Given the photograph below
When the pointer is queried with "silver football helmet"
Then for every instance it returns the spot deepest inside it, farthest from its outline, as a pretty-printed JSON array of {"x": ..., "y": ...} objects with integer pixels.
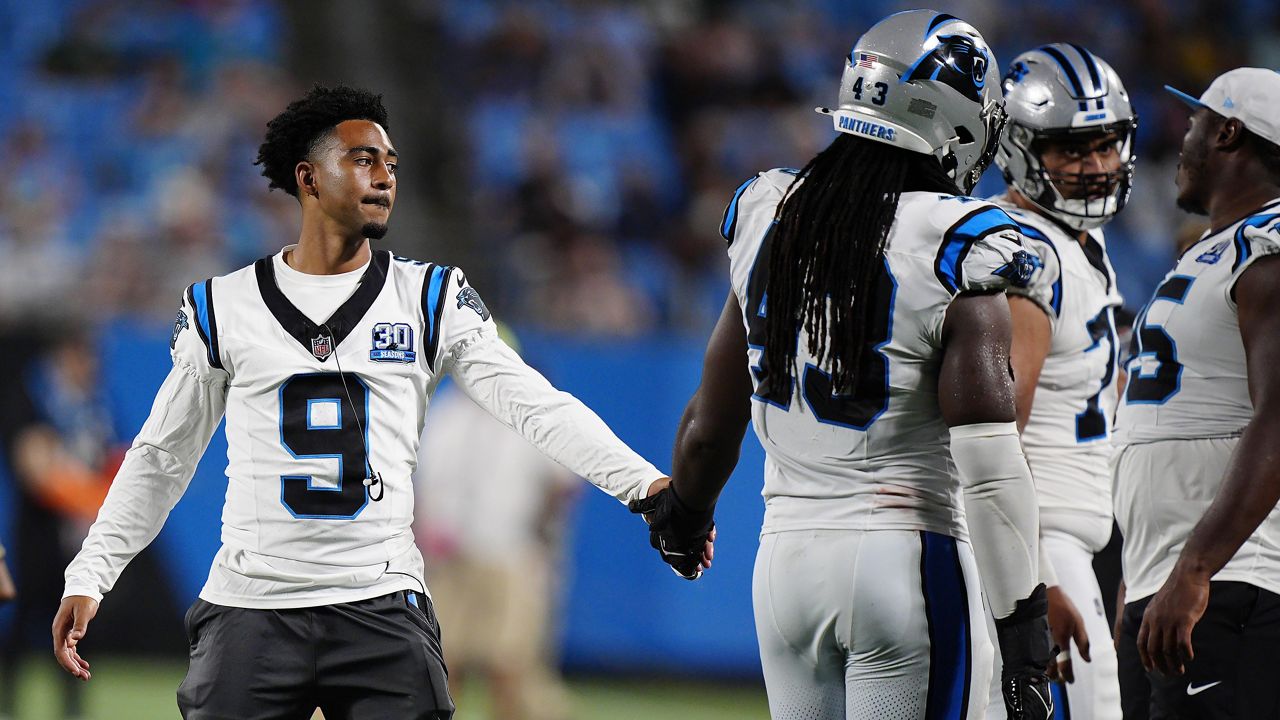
[
  {"x": 927, "y": 82},
  {"x": 1062, "y": 91}
]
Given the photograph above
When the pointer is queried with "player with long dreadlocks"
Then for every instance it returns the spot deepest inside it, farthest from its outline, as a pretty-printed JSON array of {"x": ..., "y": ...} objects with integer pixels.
[{"x": 868, "y": 305}]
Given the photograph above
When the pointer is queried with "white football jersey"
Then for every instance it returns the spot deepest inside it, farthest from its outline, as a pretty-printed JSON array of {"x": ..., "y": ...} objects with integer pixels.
[
  {"x": 879, "y": 458},
  {"x": 312, "y": 411},
  {"x": 1068, "y": 435},
  {"x": 302, "y": 435},
  {"x": 1186, "y": 364},
  {"x": 1184, "y": 407}
]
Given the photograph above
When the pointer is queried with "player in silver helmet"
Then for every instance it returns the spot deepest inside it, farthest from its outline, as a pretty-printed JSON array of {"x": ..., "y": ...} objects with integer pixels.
[
  {"x": 936, "y": 84},
  {"x": 1067, "y": 156},
  {"x": 1063, "y": 100},
  {"x": 868, "y": 307}
]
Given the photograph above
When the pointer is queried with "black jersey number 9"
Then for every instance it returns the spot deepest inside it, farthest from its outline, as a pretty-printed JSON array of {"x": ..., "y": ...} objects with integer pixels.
[
  {"x": 871, "y": 396},
  {"x": 318, "y": 421}
]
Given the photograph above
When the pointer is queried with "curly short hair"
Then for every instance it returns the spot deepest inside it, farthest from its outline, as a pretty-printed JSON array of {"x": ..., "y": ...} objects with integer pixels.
[{"x": 294, "y": 133}]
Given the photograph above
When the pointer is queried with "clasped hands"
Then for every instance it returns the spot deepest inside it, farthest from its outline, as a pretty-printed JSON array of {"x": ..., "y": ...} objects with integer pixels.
[{"x": 683, "y": 536}]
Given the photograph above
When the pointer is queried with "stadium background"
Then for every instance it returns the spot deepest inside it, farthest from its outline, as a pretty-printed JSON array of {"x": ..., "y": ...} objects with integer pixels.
[{"x": 574, "y": 157}]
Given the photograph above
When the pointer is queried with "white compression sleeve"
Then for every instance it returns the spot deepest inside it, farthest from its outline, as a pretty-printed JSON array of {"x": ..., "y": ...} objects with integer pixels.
[{"x": 1000, "y": 504}]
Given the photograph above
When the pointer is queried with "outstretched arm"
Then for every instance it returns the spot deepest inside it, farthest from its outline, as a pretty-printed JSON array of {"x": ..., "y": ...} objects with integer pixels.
[
  {"x": 709, "y": 438},
  {"x": 555, "y": 422},
  {"x": 154, "y": 475},
  {"x": 1248, "y": 493}
]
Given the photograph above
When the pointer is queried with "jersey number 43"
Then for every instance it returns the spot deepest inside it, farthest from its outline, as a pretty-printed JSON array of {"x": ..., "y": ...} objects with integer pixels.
[{"x": 871, "y": 395}]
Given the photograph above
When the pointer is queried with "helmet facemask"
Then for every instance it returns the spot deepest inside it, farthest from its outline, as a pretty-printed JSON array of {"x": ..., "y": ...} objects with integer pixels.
[
  {"x": 993, "y": 118},
  {"x": 1064, "y": 95},
  {"x": 1095, "y": 197}
]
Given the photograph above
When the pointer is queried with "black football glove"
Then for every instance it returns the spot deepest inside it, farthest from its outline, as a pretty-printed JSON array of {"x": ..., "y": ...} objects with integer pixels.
[
  {"x": 1026, "y": 647},
  {"x": 678, "y": 532}
]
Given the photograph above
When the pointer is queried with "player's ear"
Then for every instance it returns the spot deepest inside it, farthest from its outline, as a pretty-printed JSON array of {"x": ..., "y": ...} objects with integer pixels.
[
  {"x": 1230, "y": 134},
  {"x": 305, "y": 174}
]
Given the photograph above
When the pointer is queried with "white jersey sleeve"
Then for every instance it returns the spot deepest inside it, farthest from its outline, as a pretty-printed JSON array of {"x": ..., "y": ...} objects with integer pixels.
[
  {"x": 1257, "y": 237},
  {"x": 555, "y": 422},
  {"x": 159, "y": 465},
  {"x": 1046, "y": 289}
]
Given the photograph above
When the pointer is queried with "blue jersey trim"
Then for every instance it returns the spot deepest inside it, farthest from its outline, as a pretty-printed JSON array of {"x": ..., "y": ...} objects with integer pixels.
[
  {"x": 946, "y": 603},
  {"x": 201, "y": 298},
  {"x": 432, "y": 308},
  {"x": 1243, "y": 249},
  {"x": 959, "y": 240},
  {"x": 729, "y": 223}
]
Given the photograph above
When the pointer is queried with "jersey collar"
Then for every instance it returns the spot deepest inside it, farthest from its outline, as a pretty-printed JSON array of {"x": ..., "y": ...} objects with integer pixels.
[{"x": 343, "y": 320}]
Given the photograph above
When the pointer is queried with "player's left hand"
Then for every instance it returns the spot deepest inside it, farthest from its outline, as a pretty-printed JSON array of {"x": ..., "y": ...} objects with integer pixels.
[
  {"x": 1066, "y": 626},
  {"x": 683, "y": 536},
  {"x": 1164, "y": 641}
]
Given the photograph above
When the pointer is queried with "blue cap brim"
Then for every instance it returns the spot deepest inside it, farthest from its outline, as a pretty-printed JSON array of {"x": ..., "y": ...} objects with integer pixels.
[{"x": 1193, "y": 103}]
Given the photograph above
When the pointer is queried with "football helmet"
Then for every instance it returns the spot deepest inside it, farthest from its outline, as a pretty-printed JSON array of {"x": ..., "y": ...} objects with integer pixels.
[
  {"x": 927, "y": 82},
  {"x": 1062, "y": 91}
]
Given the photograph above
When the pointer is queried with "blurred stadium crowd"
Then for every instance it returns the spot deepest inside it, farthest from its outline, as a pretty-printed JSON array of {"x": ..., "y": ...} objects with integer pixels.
[{"x": 589, "y": 145}]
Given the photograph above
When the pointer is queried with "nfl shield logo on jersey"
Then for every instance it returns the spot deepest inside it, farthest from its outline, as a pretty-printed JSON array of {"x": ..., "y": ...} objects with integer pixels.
[{"x": 322, "y": 347}]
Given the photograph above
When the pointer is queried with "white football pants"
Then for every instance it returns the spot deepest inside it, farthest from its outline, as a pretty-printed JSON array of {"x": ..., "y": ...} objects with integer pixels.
[{"x": 871, "y": 625}]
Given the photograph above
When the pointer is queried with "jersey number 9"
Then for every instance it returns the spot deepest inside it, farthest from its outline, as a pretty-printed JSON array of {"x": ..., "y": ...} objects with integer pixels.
[{"x": 323, "y": 417}]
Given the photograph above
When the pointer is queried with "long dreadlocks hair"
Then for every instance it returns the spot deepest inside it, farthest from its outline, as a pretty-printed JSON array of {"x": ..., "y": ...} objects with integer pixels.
[{"x": 827, "y": 249}]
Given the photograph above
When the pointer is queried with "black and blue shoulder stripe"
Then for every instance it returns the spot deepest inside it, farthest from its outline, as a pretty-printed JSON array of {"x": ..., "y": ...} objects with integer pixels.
[
  {"x": 1244, "y": 249},
  {"x": 959, "y": 239},
  {"x": 200, "y": 297},
  {"x": 434, "y": 285}
]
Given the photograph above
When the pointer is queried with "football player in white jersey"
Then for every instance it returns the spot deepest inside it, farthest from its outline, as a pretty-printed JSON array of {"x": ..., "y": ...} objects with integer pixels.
[
  {"x": 867, "y": 316},
  {"x": 322, "y": 358},
  {"x": 1067, "y": 156},
  {"x": 1197, "y": 475}
]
